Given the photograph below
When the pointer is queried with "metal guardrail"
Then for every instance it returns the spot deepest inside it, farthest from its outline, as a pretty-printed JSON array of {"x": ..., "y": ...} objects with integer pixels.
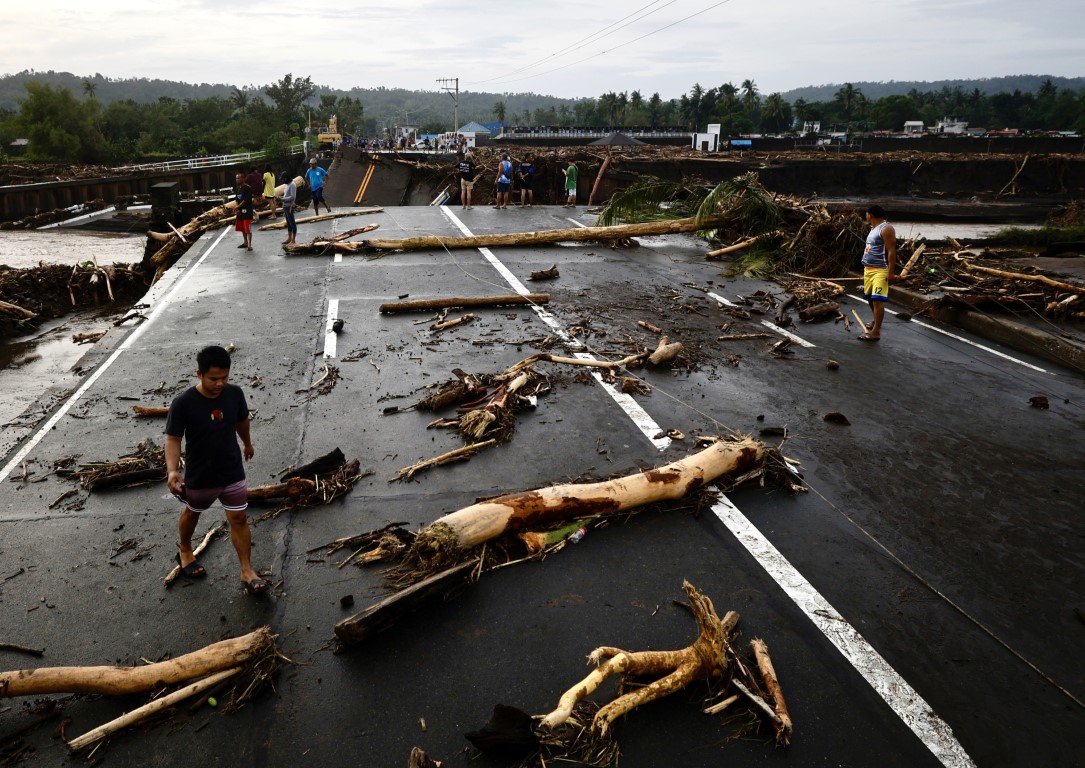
[{"x": 207, "y": 161}]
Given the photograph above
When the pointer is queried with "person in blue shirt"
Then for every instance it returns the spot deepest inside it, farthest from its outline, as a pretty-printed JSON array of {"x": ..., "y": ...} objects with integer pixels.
[{"x": 315, "y": 176}]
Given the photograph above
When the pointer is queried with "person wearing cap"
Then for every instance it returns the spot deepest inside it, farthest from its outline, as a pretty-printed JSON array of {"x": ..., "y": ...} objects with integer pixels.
[
  {"x": 504, "y": 181},
  {"x": 315, "y": 176},
  {"x": 288, "y": 201}
]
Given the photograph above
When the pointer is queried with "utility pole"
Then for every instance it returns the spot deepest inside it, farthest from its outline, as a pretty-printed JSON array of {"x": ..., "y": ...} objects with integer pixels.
[{"x": 453, "y": 91}]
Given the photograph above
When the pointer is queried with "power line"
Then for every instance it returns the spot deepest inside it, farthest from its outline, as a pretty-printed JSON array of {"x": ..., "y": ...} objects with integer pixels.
[
  {"x": 617, "y": 47},
  {"x": 598, "y": 35}
]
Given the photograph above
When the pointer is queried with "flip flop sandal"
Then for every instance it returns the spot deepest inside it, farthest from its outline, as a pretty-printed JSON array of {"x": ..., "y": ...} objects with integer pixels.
[
  {"x": 193, "y": 570},
  {"x": 868, "y": 337},
  {"x": 257, "y": 587}
]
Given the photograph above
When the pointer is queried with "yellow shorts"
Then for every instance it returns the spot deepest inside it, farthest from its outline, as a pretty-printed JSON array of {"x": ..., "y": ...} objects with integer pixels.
[{"x": 876, "y": 283}]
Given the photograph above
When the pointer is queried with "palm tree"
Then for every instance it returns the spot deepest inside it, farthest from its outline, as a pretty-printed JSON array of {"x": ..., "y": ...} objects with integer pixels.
[
  {"x": 847, "y": 97},
  {"x": 776, "y": 113},
  {"x": 728, "y": 96},
  {"x": 750, "y": 98},
  {"x": 89, "y": 89},
  {"x": 240, "y": 100},
  {"x": 499, "y": 111}
]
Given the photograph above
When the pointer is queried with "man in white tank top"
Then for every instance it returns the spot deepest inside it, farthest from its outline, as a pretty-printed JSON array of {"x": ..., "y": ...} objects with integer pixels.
[{"x": 879, "y": 260}]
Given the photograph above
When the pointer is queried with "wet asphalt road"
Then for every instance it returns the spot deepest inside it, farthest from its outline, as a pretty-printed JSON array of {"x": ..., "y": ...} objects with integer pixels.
[{"x": 944, "y": 524}]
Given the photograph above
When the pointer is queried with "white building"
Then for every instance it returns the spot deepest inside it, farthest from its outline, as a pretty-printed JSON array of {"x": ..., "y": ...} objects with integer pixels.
[
  {"x": 914, "y": 127},
  {"x": 951, "y": 125},
  {"x": 708, "y": 142}
]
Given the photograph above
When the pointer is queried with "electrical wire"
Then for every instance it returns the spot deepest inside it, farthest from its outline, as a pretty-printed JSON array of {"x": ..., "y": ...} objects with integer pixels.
[
  {"x": 615, "y": 48},
  {"x": 597, "y": 35}
]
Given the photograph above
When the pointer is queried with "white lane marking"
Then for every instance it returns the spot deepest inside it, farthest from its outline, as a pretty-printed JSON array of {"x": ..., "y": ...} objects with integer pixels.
[
  {"x": 909, "y": 706},
  {"x": 771, "y": 326},
  {"x": 777, "y": 329},
  {"x": 969, "y": 342},
  {"x": 36, "y": 438},
  {"x": 930, "y": 729},
  {"x": 329, "y": 334},
  {"x": 722, "y": 300},
  {"x": 338, "y": 258},
  {"x": 632, "y": 408}
]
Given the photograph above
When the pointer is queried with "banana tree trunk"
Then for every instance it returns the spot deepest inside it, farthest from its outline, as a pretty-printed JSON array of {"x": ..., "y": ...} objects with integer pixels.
[
  {"x": 478, "y": 523},
  {"x": 572, "y": 234}
]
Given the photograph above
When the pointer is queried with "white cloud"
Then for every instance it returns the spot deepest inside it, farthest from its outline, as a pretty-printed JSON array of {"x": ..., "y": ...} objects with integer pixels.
[{"x": 781, "y": 44}]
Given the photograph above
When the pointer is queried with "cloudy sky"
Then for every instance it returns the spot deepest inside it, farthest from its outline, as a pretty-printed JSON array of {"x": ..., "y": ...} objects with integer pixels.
[{"x": 565, "y": 48}]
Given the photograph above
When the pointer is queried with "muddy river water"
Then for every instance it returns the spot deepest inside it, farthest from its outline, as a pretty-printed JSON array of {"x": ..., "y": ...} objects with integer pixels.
[{"x": 31, "y": 364}]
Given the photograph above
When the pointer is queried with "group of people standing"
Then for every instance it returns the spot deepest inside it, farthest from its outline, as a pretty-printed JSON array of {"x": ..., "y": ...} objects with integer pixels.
[
  {"x": 255, "y": 188},
  {"x": 510, "y": 177}
]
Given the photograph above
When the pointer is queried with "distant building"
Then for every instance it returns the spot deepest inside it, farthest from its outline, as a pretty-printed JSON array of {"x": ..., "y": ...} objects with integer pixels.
[
  {"x": 475, "y": 133},
  {"x": 951, "y": 125},
  {"x": 710, "y": 141},
  {"x": 914, "y": 127},
  {"x": 811, "y": 126}
]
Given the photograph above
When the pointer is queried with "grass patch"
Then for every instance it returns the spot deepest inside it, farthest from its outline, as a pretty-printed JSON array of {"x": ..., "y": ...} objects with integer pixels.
[{"x": 1039, "y": 237}]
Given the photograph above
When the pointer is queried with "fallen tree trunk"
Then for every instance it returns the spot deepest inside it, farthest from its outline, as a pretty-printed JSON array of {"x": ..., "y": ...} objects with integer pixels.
[
  {"x": 730, "y": 248},
  {"x": 149, "y": 710},
  {"x": 119, "y": 681},
  {"x": 572, "y": 234},
  {"x": 324, "y": 245},
  {"x": 478, "y": 523},
  {"x": 427, "y": 305},
  {"x": 15, "y": 310},
  {"x": 1042, "y": 279},
  {"x": 321, "y": 217},
  {"x": 295, "y": 487},
  {"x": 141, "y": 410}
]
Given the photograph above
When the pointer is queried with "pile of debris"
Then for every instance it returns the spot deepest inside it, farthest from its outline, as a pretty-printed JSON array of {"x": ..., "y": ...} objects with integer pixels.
[{"x": 54, "y": 290}]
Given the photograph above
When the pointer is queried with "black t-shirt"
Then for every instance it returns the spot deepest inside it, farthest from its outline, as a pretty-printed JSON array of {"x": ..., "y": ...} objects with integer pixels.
[
  {"x": 244, "y": 202},
  {"x": 467, "y": 170},
  {"x": 212, "y": 454}
]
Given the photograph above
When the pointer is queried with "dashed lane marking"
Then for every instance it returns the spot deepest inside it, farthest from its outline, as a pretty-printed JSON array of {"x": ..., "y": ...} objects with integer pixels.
[
  {"x": 329, "y": 334},
  {"x": 129, "y": 340},
  {"x": 913, "y": 711},
  {"x": 631, "y": 407}
]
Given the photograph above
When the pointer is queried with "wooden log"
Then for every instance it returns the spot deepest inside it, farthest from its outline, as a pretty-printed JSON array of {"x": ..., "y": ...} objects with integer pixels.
[
  {"x": 321, "y": 217},
  {"x": 915, "y": 257},
  {"x": 151, "y": 475},
  {"x": 1042, "y": 279},
  {"x": 427, "y": 305},
  {"x": 322, "y": 245},
  {"x": 140, "y": 410},
  {"x": 570, "y": 235},
  {"x": 730, "y": 248},
  {"x": 478, "y": 523},
  {"x": 453, "y": 323},
  {"x": 329, "y": 462},
  {"x": 149, "y": 710},
  {"x": 120, "y": 681},
  {"x": 295, "y": 487},
  {"x": 824, "y": 309},
  {"x": 599, "y": 177},
  {"x": 385, "y": 613},
  {"x": 15, "y": 310},
  {"x": 772, "y": 685},
  {"x": 649, "y": 327}
]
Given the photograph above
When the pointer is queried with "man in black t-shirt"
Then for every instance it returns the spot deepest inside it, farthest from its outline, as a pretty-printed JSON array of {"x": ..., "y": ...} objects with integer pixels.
[{"x": 208, "y": 416}]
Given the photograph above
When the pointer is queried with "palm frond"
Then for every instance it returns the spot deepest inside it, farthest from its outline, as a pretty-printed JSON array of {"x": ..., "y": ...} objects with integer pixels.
[
  {"x": 649, "y": 199},
  {"x": 748, "y": 207}
]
